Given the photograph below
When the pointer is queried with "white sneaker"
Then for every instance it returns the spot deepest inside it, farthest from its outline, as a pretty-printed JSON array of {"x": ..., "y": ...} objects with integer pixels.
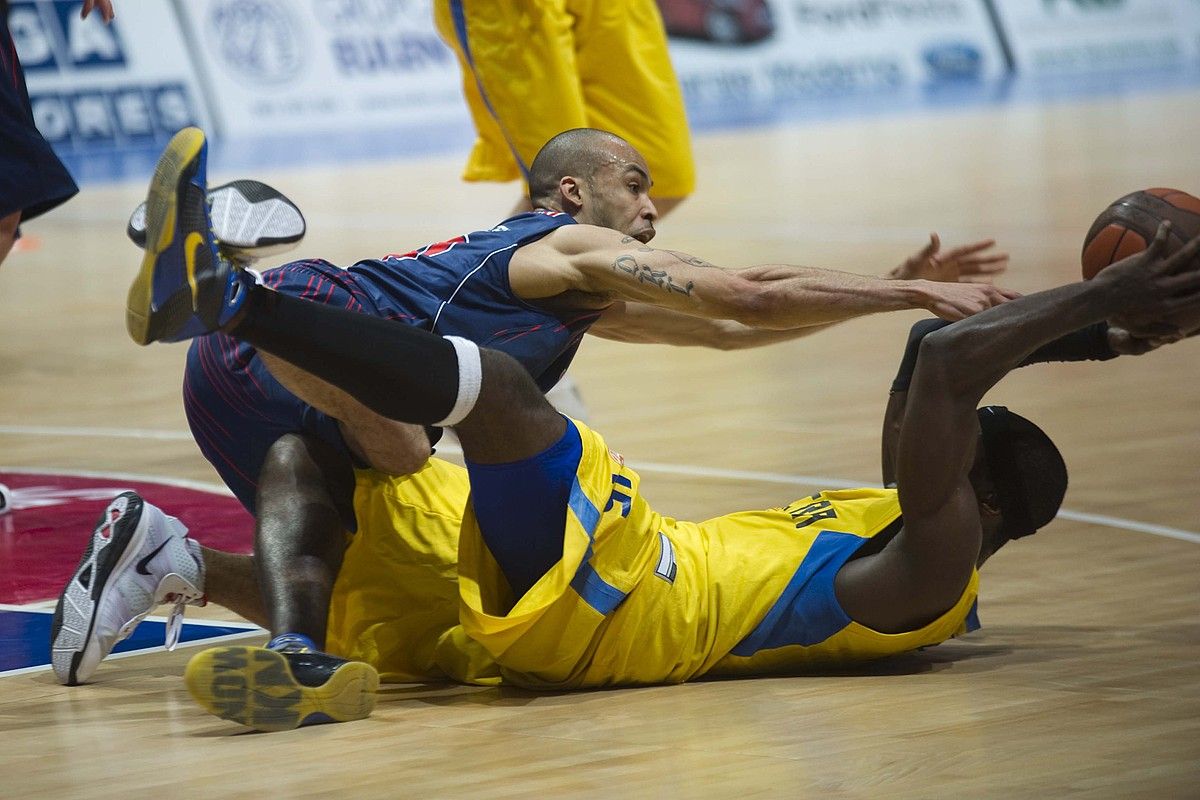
[
  {"x": 249, "y": 219},
  {"x": 137, "y": 558}
]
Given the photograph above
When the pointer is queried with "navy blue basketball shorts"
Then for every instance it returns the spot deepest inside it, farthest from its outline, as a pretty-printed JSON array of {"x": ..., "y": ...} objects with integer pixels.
[
  {"x": 32, "y": 178},
  {"x": 236, "y": 408}
]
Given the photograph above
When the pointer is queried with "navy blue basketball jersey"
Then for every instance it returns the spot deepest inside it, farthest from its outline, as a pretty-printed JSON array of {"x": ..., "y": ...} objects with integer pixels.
[{"x": 460, "y": 287}]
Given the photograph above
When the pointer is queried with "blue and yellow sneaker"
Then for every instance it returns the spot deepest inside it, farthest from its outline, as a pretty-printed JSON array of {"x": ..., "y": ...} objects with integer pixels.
[
  {"x": 250, "y": 219},
  {"x": 282, "y": 686},
  {"x": 185, "y": 287}
]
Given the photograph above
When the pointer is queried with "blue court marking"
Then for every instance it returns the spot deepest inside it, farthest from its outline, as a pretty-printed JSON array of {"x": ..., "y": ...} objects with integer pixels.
[{"x": 25, "y": 637}]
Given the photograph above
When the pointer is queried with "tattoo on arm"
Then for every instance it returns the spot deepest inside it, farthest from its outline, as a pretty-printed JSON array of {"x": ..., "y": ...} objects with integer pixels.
[
  {"x": 691, "y": 260},
  {"x": 644, "y": 274},
  {"x": 642, "y": 247}
]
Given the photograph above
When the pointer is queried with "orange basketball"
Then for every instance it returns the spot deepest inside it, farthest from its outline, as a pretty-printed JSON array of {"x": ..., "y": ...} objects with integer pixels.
[{"x": 1128, "y": 226}]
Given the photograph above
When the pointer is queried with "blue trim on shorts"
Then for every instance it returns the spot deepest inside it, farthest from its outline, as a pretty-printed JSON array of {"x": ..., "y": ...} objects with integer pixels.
[
  {"x": 460, "y": 28},
  {"x": 587, "y": 583},
  {"x": 807, "y": 612},
  {"x": 973, "y": 623}
]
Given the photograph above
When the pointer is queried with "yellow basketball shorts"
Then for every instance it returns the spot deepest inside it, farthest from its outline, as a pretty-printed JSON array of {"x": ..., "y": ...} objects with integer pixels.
[{"x": 534, "y": 68}]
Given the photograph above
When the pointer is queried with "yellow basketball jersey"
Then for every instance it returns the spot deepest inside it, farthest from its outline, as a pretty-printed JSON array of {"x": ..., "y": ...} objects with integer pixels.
[{"x": 639, "y": 598}]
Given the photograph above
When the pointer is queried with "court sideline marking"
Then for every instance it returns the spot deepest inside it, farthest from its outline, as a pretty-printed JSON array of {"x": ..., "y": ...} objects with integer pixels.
[{"x": 1103, "y": 520}]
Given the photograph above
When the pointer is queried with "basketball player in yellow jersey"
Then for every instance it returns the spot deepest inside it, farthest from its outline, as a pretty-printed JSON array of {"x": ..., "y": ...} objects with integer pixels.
[
  {"x": 567, "y": 578},
  {"x": 534, "y": 68}
]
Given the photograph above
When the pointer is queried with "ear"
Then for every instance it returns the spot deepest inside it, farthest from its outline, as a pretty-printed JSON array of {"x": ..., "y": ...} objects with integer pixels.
[
  {"x": 570, "y": 192},
  {"x": 990, "y": 504}
]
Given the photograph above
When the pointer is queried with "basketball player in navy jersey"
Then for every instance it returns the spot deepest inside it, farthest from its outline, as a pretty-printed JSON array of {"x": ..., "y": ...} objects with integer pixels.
[
  {"x": 530, "y": 287},
  {"x": 991, "y": 477}
]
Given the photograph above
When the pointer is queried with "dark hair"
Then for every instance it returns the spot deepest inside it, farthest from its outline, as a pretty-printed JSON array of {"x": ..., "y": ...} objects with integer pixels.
[
  {"x": 1026, "y": 468},
  {"x": 578, "y": 152}
]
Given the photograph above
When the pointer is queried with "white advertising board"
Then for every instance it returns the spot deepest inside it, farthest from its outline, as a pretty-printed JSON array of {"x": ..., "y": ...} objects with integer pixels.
[
  {"x": 807, "y": 49},
  {"x": 97, "y": 87},
  {"x": 1073, "y": 36},
  {"x": 322, "y": 65}
]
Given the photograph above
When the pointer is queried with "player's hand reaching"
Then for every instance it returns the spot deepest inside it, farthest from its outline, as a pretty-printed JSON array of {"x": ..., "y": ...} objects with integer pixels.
[
  {"x": 972, "y": 263},
  {"x": 955, "y": 301},
  {"x": 105, "y": 6}
]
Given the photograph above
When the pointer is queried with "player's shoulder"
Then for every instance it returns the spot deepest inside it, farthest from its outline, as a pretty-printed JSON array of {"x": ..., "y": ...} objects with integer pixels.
[{"x": 570, "y": 240}]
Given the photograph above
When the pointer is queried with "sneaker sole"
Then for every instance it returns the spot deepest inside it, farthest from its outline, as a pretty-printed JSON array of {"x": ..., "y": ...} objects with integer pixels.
[
  {"x": 70, "y": 647},
  {"x": 255, "y": 687},
  {"x": 180, "y": 152},
  {"x": 278, "y": 225}
]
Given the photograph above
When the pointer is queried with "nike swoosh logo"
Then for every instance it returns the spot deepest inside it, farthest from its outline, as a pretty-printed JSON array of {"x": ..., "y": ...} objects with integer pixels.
[
  {"x": 191, "y": 245},
  {"x": 141, "y": 565}
]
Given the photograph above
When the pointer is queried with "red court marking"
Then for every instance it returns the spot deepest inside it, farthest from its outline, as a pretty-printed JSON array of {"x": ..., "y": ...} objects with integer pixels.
[{"x": 43, "y": 537}]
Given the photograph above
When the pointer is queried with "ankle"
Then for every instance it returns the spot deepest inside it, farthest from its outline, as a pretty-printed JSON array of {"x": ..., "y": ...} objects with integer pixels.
[{"x": 291, "y": 643}]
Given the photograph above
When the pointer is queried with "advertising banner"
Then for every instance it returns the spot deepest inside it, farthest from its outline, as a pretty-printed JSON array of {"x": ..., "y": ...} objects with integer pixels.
[
  {"x": 314, "y": 66},
  {"x": 105, "y": 88},
  {"x": 766, "y": 52},
  {"x": 1072, "y": 36}
]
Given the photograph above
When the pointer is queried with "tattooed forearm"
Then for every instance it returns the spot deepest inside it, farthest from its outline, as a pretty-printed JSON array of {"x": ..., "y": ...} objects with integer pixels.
[
  {"x": 692, "y": 260},
  {"x": 642, "y": 247},
  {"x": 644, "y": 274}
]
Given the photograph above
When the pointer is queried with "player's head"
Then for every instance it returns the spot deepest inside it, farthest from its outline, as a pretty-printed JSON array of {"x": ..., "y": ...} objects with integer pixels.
[
  {"x": 598, "y": 178},
  {"x": 1019, "y": 477}
]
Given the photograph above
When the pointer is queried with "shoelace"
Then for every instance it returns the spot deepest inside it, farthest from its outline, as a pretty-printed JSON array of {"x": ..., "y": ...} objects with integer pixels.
[{"x": 175, "y": 618}]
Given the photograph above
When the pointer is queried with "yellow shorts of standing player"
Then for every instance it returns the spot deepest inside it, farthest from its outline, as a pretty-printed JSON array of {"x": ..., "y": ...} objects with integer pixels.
[{"x": 534, "y": 68}]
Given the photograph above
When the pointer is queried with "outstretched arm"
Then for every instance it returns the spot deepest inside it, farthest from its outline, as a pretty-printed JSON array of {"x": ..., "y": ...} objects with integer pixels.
[
  {"x": 604, "y": 264},
  {"x": 648, "y": 324},
  {"x": 921, "y": 573},
  {"x": 1098, "y": 342}
]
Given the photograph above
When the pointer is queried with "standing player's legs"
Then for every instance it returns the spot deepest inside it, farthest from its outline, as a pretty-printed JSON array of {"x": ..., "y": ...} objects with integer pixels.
[
  {"x": 8, "y": 233},
  {"x": 520, "y": 79},
  {"x": 533, "y": 70},
  {"x": 630, "y": 89},
  {"x": 32, "y": 179}
]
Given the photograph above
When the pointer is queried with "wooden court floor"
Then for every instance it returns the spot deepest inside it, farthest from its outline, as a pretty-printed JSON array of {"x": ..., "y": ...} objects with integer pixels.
[{"x": 1083, "y": 681}]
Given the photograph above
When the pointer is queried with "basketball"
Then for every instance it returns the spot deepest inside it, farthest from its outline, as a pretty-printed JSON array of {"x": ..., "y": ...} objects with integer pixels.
[{"x": 1128, "y": 226}]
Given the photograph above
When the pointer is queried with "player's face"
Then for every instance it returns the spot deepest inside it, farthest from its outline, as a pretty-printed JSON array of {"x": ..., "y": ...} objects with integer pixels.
[
  {"x": 619, "y": 197},
  {"x": 989, "y": 506}
]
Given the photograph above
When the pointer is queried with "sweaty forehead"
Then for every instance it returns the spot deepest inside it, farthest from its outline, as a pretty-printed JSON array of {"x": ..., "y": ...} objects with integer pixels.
[{"x": 621, "y": 158}]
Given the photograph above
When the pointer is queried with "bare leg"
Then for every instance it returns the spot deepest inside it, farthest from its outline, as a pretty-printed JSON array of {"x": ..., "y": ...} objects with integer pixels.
[
  {"x": 230, "y": 580},
  {"x": 511, "y": 420},
  {"x": 304, "y": 510},
  {"x": 8, "y": 233},
  {"x": 387, "y": 445}
]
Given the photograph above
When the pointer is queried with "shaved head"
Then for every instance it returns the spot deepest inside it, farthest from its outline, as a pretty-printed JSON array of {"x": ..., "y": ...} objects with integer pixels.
[{"x": 578, "y": 152}]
